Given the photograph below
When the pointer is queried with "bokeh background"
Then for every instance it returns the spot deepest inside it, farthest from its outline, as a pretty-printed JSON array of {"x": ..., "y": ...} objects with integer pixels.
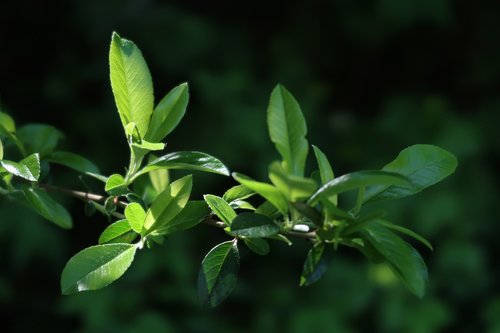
[{"x": 372, "y": 77}]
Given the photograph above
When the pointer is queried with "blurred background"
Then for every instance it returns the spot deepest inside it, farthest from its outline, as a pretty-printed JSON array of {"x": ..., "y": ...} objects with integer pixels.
[{"x": 372, "y": 77}]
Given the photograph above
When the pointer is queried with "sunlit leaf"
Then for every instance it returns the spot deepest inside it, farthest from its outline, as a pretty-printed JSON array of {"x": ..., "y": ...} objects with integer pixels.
[
  {"x": 293, "y": 187},
  {"x": 28, "y": 168},
  {"x": 118, "y": 232},
  {"x": 237, "y": 192},
  {"x": 135, "y": 215},
  {"x": 193, "y": 213},
  {"x": 115, "y": 185},
  {"x": 221, "y": 208}
]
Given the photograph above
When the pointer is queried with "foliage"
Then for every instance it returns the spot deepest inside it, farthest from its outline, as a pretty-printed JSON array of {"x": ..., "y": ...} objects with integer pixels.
[{"x": 291, "y": 204}]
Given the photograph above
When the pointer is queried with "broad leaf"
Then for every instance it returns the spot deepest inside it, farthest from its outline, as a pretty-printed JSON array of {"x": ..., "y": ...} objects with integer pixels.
[
  {"x": 287, "y": 129},
  {"x": 317, "y": 261},
  {"x": 422, "y": 165},
  {"x": 403, "y": 259},
  {"x": 358, "y": 179},
  {"x": 73, "y": 161},
  {"x": 118, "y": 232},
  {"x": 38, "y": 138},
  {"x": 32, "y": 162},
  {"x": 168, "y": 204},
  {"x": 7, "y": 124},
  {"x": 253, "y": 225},
  {"x": 218, "y": 274},
  {"x": 28, "y": 168},
  {"x": 135, "y": 215},
  {"x": 44, "y": 205},
  {"x": 115, "y": 185},
  {"x": 257, "y": 245},
  {"x": 237, "y": 192},
  {"x": 96, "y": 267},
  {"x": 131, "y": 83},
  {"x": 193, "y": 213},
  {"x": 221, "y": 208},
  {"x": 267, "y": 191},
  {"x": 168, "y": 113},
  {"x": 293, "y": 187}
]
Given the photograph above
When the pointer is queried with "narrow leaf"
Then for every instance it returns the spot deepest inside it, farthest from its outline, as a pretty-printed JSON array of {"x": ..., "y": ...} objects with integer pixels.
[
  {"x": 422, "y": 165},
  {"x": 1, "y": 150},
  {"x": 237, "y": 192},
  {"x": 221, "y": 208},
  {"x": 44, "y": 205},
  {"x": 267, "y": 191},
  {"x": 168, "y": 113},
  {"x": 287, "y": 129},
  {"x": 317, "y": 261},
  {"x": 135, "y": 215},
  {"x": 325, "y": 169},
  {"x": 253, "y": 225},
  {"x": 73, "y": 161},
  {"x": 405, "y": 231},
  {"x": 218, "y": 274},
  {"x": 96, "y": 267},
  {"x": 257, "y": 245},
  {"x": 293, "y": 187},
  {"x": 118, "y": 232},
  {"x": 115, "y": 185},
  {"x": 193, "y": 213}
]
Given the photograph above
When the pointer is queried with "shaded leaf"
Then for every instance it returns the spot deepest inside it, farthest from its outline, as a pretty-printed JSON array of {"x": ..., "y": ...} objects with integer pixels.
[
  {"x": 257, "y": 245},
  {"x": 193, "y": 213},
  {"x": 405, "y": 231},
  {"x": 73, "y": 161},
  {"x": 39, "y": 138},
  {"x": 325, "y": 170},
  {"x": 293, "y": 187},
  {"x": 221, "y": 208},
  {"x": 253, "y": 225},
  {"x": 47, "y": 207},
  {"x": 237, "y": 192},
  {"x": 316, "y": 264},
  {"x": 118, "y": 232}
]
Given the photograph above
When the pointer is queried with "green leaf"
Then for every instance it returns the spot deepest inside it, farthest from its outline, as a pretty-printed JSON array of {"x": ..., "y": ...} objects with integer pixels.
[
  {"x": 187, "y": 160},
  {"x": 131, "y": 83},
  {"x": 7, "y": 125},
  {"x": 221, "y": 208},
  {"x": 402, "y": 258},
  {"x": 293, "y": 188},
  {"x": 28, "y": 168},
  {"x": 237, "y": 192},
  {"x": 159, "y": 179},
  {"x": 422, "y": 165},
  {"x": 267, "y": 191},
  {"x": 309, "y": 212},
  {"x": 268, "y": 209},
  {"x": 317, "y": 261},
  {"x": 118, "y": 232},
  {"x": 44, "y": 205},
  {"x": 1, "y": 150},
  {"x": 334, "y": 211},
  {"x": 325, "y": 170},
  {"x": 193, "y": 213},
  {"x": 135, "y": 215},
  {"x": 355, "y": 180},
  {"x": 149, "y": 146},
  {"x": 253, "y": 225},
  {"x": 241, "y": 204},
  {"x": 168, "y": 205},
  {"x": 218, "y": 274},
  {"x": 168, "y": 113},
  {"x": 287, "y": 129},
  {"x": 115, "y": 185},
  {"x": 73, "y": 161},
  {"x": 405, "y": 231},
  {"x": 39, "y": 138},
  {"x": 257, "y": 245},
  {"x": 96, "y": 267}
]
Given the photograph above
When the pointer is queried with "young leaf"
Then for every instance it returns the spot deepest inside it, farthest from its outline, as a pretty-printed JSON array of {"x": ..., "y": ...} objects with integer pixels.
[
  {"x": 118, "y": 232},
  {"x": 115, "y": 185},
  {"x": 218, "y": 274},
  {"x": 39, "y": 138},
  {"x": 168, "y": 113},
  {"x": 402, "y": 258},
  {"x": 405, "y": 231},
  {"x": 355, "y": 180},
  {"x": 257, "y": 245},
  {"x": 237, "y": 192},
  {"x": 287, "y": 129},
  {"x": 221, "y": 208},
  {"x": 325, "y": 169},
  {"x": 135, "y": 215},
  {"x": 7, "y": 125},
  {"x": 96, "y": 267},
  {"x": 267, "y": 191},
  {"x": 73, "y": 161},
  {"x": 44, "y": 205},
  {"x": 28, "y": 168},
  {"x": 317, "y": 261},
  {"x": 253, "y": 225},
  {"x": 193, "y": 213},
  {"x": 168, "y": 204},
  {"x": 131, "y": 83},
  {"x": 422, "y": 165},
  {"x": 293, "y": 188}
]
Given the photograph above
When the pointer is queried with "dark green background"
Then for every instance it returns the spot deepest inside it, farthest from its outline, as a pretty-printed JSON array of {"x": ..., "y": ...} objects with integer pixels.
[{"x": 372, "y": 77}]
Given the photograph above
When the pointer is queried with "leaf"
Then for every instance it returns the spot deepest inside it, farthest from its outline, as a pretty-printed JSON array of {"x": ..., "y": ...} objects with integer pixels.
[
  {"x": 309, "y": 212},
  {"x": 268, "y": 209},
  {"x": 253, "y": 225},
  {"x": 118, "y": 232},
  {"x": 287, "y": 129},
  {"x": 1, "y": 150},
  {"x": 237, "y": 192},
  {"x": 193, "y": 213},
  {"x": 96, "y": 267},
  {"x": 218, "y": 274},
  {"x": 241, "y": 204},
  {"x": 135, "y": 215},
  {"x": 39, "y": 138},
  {"x": 257, "y": 245},
  {"x": 267, "y": 191},
  {"x": 293, "y": 188},
  {"x": 168, "y": 205},
  {"x": 317, "y": 261},
  {"x": 405, "y": 231},
  {"x": 131, "y": 83},
  {"x": 187, "y": 160},
  {"x": 221, "y": 208},
  {"x": 402, "y": 258},
  {"x": 73, "y": 161},
  {"x": 28, "y": 168},
  {"x": 159, "y": 179},
  {"x": 115, "y": 185},
  {"x": 51, "y": 210},
  {"x": 355, "y": 180},
  {"x": 325, "y": 170},
  {"x": 7, "y": 125},
  {"x": 422, "y": 165},
  {"x": 168, "y": 113},
  {"x": 149, "y": 146}
]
